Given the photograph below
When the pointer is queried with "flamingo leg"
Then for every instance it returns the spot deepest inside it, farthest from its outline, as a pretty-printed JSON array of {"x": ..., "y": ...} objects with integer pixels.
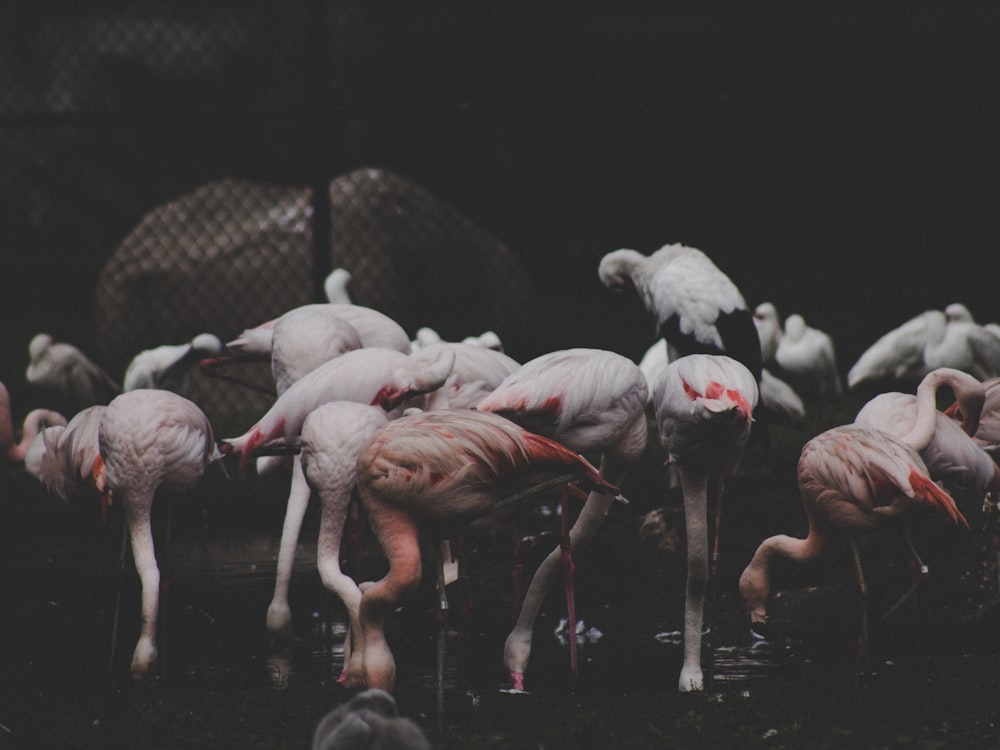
[
  {"x": 694, "y": 487},
  {"x": 279, "y": 613},
  {"x": 442, "y": 636},
  {"x": 517, "y": 648},
  {"x": 716, "y": 492},
  {"x": 144, "y": 557},
  {"x": 862, "y": 597},
  {"x": 398, "y": 536},
  {"x": 569, "y": 571},
  {"x": 331, "y": 529},
  {"x": 921, "y": 575}
]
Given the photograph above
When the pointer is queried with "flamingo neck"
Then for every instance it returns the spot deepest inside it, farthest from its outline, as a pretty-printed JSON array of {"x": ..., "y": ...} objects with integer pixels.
[
  {"x": 755, "y": 583},
  {"x": 968, "y": 392}
]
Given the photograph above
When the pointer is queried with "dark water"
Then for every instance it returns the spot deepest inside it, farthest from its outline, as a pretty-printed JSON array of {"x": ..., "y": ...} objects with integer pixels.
[{"x": 930, "y": 679}]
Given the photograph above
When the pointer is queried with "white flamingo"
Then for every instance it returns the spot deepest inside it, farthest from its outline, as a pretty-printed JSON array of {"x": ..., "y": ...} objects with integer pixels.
[
  {"x": 64, "y": 371},
  {"x": 169, "y": 366}
]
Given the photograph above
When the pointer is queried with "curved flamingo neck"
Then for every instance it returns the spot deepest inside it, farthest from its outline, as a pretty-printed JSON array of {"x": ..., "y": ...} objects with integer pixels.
[
  {"x": 755, "y": 583},
  {"x": 968, "y": 392}
]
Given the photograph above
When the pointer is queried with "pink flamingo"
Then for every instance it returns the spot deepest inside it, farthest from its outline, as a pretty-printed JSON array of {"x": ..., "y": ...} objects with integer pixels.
[
  {"x": 66, "y": 459},
  {"x": 333, "y": 436},
  {"x": 433, "y": 469},
  {"x": 854, "y": 480},
  {"x": 950, "y": 454},
  {"x": 381, "y": 377},
  {"x": 151, "y": 440},
  {"x": 704, "y": 405},
  {"x": 34, "y": 422},
  {"x": 987, "y": 434},
  {"x": 592, "y": 401}
]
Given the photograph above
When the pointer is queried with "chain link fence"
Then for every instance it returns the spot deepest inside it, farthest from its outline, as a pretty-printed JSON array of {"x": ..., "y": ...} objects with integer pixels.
[{"x": 165, "y": 169}]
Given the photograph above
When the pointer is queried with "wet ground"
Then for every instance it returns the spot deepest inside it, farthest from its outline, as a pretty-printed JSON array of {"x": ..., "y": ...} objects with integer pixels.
[{"x": 931, "y": 678}]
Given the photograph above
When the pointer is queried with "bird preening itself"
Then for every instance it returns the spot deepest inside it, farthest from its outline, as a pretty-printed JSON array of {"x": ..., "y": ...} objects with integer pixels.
[
  {"x": 66, "y": 374},
  {"x": 698, "y": 308}
]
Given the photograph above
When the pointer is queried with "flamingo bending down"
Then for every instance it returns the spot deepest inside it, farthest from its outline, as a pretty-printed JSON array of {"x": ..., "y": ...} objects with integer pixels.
[
  {"x": 376, "y": 376},
  {"x": 432, "y": 469},
  {"x": 594, "y": 402},
  {"x": 698, "y": 309},
  {"x": 704, "y": 405},
  {"x": 168, "y": 366},
  {"x": 333, "y": 436},
  {"x": 853, "y": 480},
  {"x": 34, "y": 422},
  {"x": 66, "y": 372},
  {"x": 151, "y": 440},
  {"x": 376, "y": 329}
]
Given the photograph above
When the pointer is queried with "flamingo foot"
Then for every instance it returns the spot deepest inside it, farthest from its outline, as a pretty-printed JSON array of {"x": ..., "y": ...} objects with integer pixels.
[
  {"x": 517, "y": 681},
  {"x": 692, "y": 680}
]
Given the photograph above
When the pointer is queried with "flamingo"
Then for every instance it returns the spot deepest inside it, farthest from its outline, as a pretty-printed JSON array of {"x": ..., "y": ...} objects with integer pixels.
[
  {"x": 369, "y": 720},
  {"x": 168, "y": 366},
  {"x": 333, "y": 436},
  {"x": 594, "y": 402},
  {"x": 335, "y": 286},
  {"x": 66, "y": 372},
  {"x": 807, "y": 357},
  {"x": 783, "y": 404},
  {"x": 151, "y": 440},
  {"x": 704, "y": 405},
  {"x": 303, "y": 339},
  {"x": 376, "y": 376},
  {"x": 698, "y": 308},
  {"x": 34, "y": 422},
  {"x": 66, "y": 459},
  {"x": 376, "y": 329},
  {"x": 433, "y": 469},
  {"x": 946, "y": 446},
  {"x": 854, "y": 480},
  {"x": 987, "y": 434}
]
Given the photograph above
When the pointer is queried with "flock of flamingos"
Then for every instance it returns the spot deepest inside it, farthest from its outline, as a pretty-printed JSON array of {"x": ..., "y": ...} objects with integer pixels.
[{"x": 431, "y": 435}]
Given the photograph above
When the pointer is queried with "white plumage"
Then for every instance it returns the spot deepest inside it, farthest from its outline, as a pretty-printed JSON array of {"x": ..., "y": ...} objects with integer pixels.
[
  {"x": 807, "y": 357},
  {"x": 698, "y": 308},
  {"x": 168, "y": 367},
  {"x": 66, "y": 373}
]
